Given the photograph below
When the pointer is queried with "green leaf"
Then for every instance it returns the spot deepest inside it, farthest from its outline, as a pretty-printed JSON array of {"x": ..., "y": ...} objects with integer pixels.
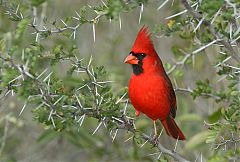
[
  {"x": 217, "y": 159},
  {"x": 214, "y": 117},
  {"x": 212, "y": 136},
  {"x": 80, "y": 139},
  {"x": 47, "y": 136},
  {"x": 189, "y": 118},
  {"x": 175, "y": 50},
  {"x": 178, "y": 73},
  {"x": 36, "y": 3},
  {"x": 9, "y": 75},
  {"x": 167, "y": 66},
  {"x": 21, "y": 27}
]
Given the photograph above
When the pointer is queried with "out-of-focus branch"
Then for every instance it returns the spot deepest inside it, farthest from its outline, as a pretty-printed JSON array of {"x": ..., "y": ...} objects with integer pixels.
[
  {"x": 189, "y": 90},
  {"x": 188, "y": 55},
  {"x": 217, "y": 36},
  {"x": 180, "y": 63},
  {"x": 4, "y": 138}
]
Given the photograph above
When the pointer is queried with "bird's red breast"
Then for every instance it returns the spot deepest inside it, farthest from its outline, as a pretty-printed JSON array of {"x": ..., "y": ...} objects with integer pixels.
[{"x": 149, "y": 94}]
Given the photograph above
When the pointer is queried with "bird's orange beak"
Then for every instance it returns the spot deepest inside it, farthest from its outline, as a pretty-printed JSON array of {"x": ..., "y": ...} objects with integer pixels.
[{"x": 131, "y": 59}]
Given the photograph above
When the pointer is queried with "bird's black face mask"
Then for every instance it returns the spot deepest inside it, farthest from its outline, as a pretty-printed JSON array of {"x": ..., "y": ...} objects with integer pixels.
[{"x": 137, "y": 68}]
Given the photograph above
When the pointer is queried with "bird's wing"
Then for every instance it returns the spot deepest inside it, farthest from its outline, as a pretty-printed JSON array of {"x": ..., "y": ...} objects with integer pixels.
[
  {"x": 172, "y": 97},
  {"x": 173, "y": 108}
]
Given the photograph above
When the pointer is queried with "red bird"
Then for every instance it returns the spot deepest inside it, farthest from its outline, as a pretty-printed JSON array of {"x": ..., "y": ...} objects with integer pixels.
[{"x": 150, "y": 89}]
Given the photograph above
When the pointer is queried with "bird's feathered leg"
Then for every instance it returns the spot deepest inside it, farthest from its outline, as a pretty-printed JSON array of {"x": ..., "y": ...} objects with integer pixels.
[{"x": 155, "y": 136}]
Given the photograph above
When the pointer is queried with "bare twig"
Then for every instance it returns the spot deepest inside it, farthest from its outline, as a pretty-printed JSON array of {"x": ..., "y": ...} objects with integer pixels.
[
  {"x": 224, "y": 142},
  {"x": 188, "y": 90}
]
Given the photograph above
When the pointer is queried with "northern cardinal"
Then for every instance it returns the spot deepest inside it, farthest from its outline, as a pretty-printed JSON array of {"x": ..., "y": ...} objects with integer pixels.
[{"x": 150, "y": 89}]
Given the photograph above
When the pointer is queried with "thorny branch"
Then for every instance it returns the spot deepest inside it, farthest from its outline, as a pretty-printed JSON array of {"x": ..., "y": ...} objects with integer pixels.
[
  {"x": 151, "y": 140},
  {"x": 41, "y": 30},
  {"x": 23, "y": 70},
  {"x": 124, "y": 122},
  {"x": 188, "y": 90},
  {"x": 224, "y": 142},
  {"x": 180, "y": 63},
  {"x": 233, "y": 52}
]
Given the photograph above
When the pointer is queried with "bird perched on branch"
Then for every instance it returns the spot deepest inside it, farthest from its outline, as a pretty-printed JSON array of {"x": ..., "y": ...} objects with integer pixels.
[{"x": 150, "y": 89}]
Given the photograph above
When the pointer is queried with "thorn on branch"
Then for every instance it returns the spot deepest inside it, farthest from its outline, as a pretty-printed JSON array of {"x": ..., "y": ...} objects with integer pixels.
[{"x": 140, "y": 14}]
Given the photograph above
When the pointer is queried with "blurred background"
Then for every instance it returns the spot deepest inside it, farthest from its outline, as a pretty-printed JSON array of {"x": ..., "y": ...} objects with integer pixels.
[{"x": 26, "y": 140}]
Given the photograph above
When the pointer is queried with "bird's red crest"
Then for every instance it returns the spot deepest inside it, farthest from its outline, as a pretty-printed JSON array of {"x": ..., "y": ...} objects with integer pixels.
[{"x": 143, "y": 42}]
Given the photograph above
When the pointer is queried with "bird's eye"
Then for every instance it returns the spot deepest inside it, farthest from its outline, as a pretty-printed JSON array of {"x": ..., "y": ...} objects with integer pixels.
[{"x": 143, "y": 54}]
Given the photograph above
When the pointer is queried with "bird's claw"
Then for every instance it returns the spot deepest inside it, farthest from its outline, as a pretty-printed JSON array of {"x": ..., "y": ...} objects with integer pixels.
[{"x": 155, "y": 140}]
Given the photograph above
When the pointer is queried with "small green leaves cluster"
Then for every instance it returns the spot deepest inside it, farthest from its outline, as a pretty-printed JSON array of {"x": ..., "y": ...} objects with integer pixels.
[
  {"x": 112, "y": 8},
  {"x": 36, "y": 3},
  {"x": 61, "y": 101},
  {"x": 202, "y": 88}
]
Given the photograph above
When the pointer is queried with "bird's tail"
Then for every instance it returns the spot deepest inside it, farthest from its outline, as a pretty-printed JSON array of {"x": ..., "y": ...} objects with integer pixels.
[{"x": 172, "y": 129}]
